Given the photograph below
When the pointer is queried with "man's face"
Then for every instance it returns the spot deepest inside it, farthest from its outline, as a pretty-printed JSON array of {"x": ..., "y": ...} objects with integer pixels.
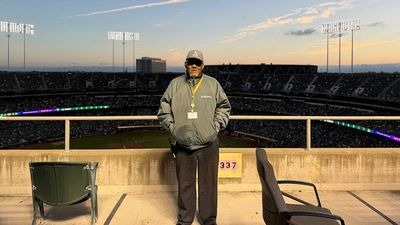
[{"x": 194, "y": 67}]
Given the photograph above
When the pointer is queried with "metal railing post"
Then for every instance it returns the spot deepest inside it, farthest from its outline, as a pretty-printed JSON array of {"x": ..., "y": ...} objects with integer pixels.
[
  {"x": 67, "y": 135},
  {"x": 308, "y": 134}
]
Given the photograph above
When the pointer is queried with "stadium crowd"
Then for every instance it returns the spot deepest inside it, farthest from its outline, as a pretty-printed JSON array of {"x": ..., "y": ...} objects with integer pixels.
[{"x": 250, "y": 94}]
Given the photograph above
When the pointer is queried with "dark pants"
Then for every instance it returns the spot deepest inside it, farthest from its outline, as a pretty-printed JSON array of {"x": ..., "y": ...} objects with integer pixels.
[{"x": 187, "y": 161}]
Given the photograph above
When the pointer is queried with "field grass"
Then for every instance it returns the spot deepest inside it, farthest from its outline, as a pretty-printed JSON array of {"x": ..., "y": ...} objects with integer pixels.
[{"x": 136, "y": 139}]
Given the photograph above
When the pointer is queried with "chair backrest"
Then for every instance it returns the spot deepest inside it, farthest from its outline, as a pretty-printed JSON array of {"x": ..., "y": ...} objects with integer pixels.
[
  {"x": 272, "y": 199},
  {"x": 61, "y": 183}
]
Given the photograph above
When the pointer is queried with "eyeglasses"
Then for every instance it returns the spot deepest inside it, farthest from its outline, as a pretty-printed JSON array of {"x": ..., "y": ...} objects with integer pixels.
[{"x": 194, "y": 62}]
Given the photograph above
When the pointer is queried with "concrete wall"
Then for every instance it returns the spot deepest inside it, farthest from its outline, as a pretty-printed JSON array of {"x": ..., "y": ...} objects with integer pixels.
[{"x": 154, "y": 169}]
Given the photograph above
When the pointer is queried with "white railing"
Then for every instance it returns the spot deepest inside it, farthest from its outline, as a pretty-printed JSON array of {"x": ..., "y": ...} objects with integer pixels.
[{"x": 67, "y": 120}]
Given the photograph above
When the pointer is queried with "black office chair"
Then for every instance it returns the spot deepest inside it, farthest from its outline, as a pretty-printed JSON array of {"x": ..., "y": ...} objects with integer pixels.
[
  {"x": 277, "y": 212},
  {"x": 62, "y": 184}
]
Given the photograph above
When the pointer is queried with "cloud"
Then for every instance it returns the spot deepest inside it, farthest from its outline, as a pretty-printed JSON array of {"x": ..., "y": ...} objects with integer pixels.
[
  {"x": 305, "y": 19},
  {"x": 305, "y": 32},
  {"x": 252, "y": 29},
  {"x": 298, "y": 16},
  {"x": 377, "y": 24},
  {"x": 175, "y": 57},
  {"x": 158, "y": 25},
  {"x": 132, "y": 7},
  {"x": 162, "y": 24},
  {"x": 371, "y": 43}
]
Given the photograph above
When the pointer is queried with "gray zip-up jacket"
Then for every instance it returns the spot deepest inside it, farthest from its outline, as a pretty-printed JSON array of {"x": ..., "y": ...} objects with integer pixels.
[{"x": 211, "y": 104}]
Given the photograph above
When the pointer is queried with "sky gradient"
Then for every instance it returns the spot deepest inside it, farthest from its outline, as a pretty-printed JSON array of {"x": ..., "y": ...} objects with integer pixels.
[{"x": 74, "y": 32}]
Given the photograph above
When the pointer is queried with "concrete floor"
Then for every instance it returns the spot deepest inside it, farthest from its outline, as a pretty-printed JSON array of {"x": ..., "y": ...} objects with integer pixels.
[{"x": 235, "y": 208}]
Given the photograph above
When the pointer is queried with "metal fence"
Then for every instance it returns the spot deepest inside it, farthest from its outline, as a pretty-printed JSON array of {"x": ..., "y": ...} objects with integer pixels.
[{"x": 308, "y": 119}]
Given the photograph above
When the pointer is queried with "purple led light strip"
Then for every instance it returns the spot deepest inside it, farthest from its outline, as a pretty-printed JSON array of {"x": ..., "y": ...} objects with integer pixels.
[{"x": 38, "y": 111}]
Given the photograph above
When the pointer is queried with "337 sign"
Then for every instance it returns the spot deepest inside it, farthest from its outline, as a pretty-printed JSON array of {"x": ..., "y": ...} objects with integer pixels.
[
  {"x": 230, "y": 165},
  {"x": 227, "y": 165}
]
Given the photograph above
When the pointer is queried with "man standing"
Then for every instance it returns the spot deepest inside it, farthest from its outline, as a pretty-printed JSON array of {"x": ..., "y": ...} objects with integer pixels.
[{"x": 194, "y": 108}]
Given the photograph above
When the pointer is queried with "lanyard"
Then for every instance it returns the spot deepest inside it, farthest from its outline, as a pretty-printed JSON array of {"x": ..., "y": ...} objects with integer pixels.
[{"x": 192, "y": 105}]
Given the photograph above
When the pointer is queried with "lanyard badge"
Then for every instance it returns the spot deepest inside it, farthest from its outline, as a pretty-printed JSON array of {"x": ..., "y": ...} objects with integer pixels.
[{"x": 192, "y": 114}]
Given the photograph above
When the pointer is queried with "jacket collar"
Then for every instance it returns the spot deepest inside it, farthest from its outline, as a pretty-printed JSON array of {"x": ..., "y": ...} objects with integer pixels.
[{"x": 193, "y": 80}]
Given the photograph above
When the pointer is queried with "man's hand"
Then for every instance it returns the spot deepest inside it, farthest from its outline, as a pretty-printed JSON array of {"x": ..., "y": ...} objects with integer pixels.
[
  {"x": 217, "y": 126},
  {"x": 171, "y": 127}
]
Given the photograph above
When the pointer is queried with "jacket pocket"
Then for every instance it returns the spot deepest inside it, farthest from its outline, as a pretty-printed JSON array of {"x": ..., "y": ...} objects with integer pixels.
[
  {"x": 183, "y": 134},
  {"x": 206, "y": 132}
]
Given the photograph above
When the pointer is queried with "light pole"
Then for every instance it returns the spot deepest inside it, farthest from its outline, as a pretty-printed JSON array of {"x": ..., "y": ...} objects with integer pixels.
[
  {"x": 135, "y": 38},
  {"x": 10, "y": 27},
  {"x": 356, "y": 26},
  {"x": 113, "y": 57},
  {"x": 24, "y": 46},
  {"x": 326, "y": 29},
  {"x": 327, "y": 53},
  {"x": 340, "y": 27},
  {"x": 340, "y": 46},
  {"x": 8, "y": 51},
  {"x": 352, "y": 40},
  {"x": 123, "y": 53},
  {"x": 124, "y": 36},
  {"x": 133, "y": 56}
]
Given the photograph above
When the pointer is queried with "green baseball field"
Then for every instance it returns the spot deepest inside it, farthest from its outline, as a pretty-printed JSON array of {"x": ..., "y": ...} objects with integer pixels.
[{"x": 134, "y": 139}]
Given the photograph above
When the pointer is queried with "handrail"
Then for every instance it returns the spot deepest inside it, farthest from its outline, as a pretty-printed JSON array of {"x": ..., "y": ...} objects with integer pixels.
[
  {"x": 308, "y": 120},
  {"x": 241, "y": 117}
]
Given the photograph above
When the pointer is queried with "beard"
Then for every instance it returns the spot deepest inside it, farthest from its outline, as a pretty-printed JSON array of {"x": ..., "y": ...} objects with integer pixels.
[{"x": 193, "y": 73}]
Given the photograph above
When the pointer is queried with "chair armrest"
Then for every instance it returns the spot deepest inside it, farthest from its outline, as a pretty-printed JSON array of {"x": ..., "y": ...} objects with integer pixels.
[
  {"x": 295, "y": 182},
  {"x": 296, "y": 198},
  {"x": 313, "y": 214},
  {"x": 301, "y": 183}
]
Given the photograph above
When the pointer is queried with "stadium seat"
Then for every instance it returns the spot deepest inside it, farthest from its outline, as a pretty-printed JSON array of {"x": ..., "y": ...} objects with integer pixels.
[
  {"x": 277, "y": 212},
  {"x": 62, "y": 184}
]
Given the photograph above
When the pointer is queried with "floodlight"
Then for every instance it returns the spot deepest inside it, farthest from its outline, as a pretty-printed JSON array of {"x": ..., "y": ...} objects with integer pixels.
[
  {"x": 340, "y": 27},
  {"x": 10, "y": 27},
  {"x": 123, "y": 36}
]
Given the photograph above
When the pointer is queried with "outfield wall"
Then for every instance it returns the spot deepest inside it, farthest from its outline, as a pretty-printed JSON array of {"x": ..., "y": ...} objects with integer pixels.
[{"x": 148, "y": 170}]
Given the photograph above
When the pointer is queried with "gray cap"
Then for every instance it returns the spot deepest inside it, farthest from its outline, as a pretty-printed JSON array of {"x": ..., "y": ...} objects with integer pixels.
[{"x": 196, "y": 54}]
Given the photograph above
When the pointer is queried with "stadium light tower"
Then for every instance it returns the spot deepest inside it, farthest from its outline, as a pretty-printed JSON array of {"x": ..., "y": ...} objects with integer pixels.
[
  {"x": 123, "y": 52},
  {"x": 340, "y": 27},
  {"x": 10, "y": 27},
  {"x": 135, "y": 38},
  {"x": 123, "y": 36}
]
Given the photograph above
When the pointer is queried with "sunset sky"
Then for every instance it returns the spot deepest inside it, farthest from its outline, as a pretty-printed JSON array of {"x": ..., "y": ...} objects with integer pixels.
[{"x": 74, "y": 32}]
